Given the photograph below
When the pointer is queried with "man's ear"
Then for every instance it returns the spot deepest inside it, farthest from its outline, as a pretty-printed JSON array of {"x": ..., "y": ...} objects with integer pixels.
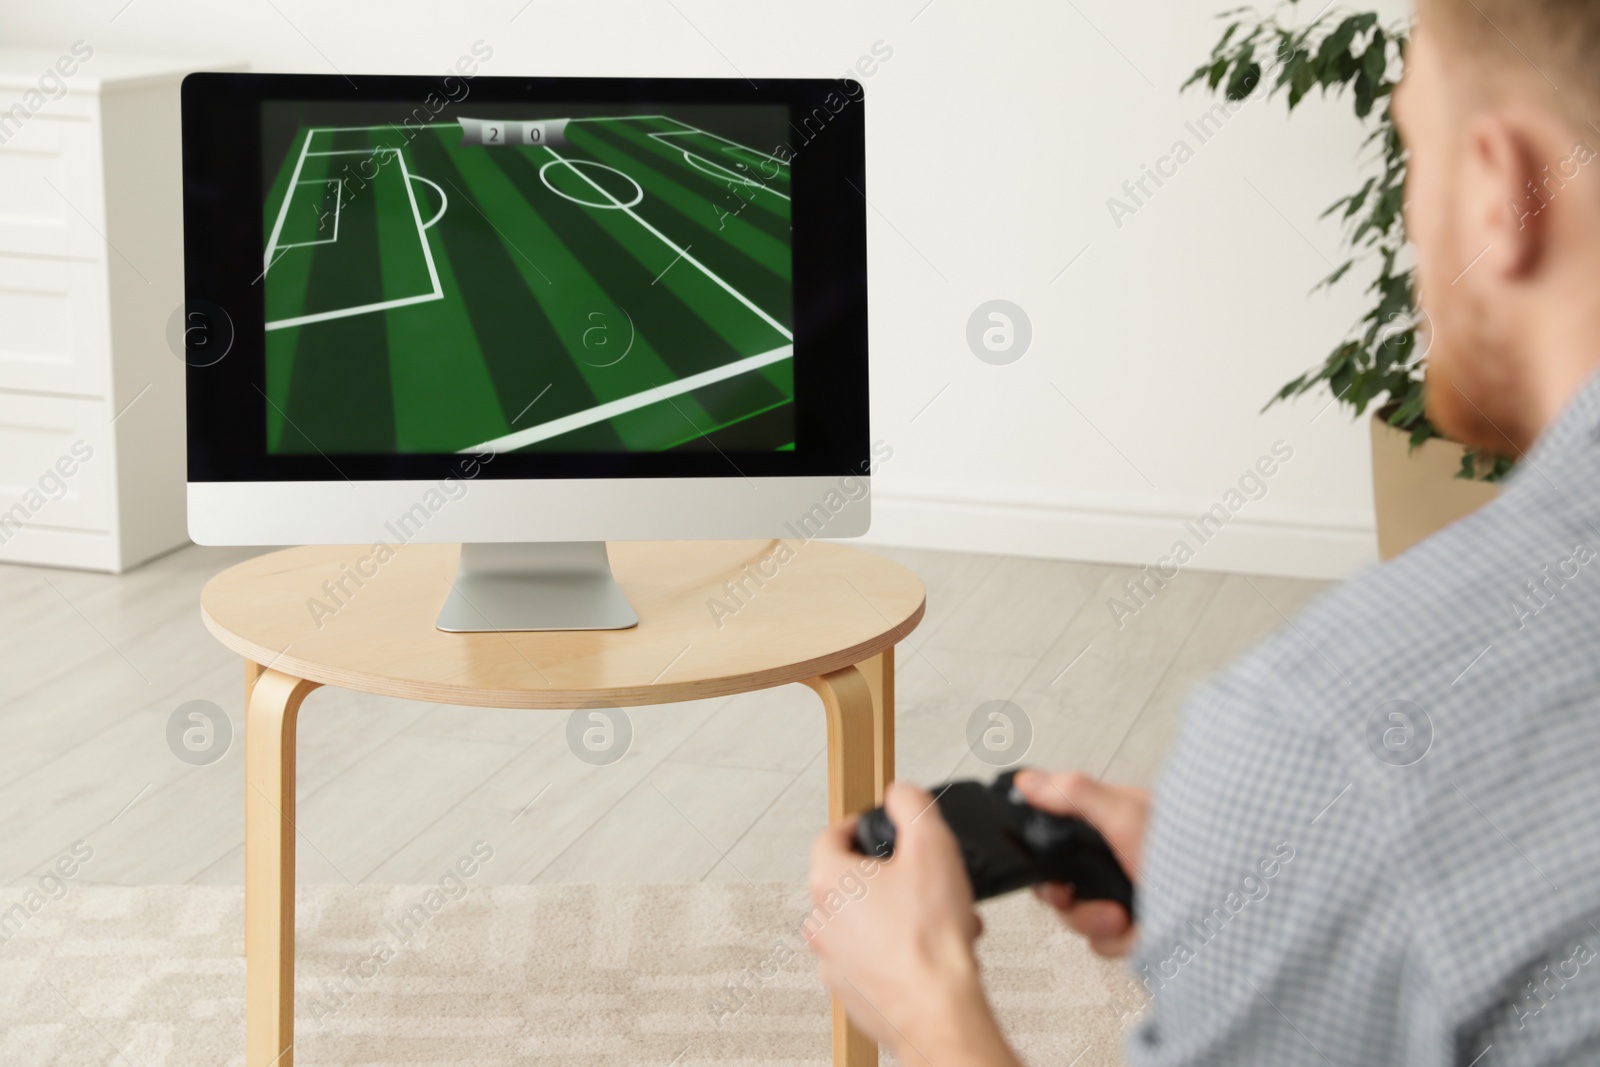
[{"x": 1504, "y": 214}]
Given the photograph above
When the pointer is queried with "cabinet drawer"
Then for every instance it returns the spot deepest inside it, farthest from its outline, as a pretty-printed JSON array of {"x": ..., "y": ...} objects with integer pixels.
[
  {"x": 55, "y": 463},
  {"x": 50, "y": 197},
  {"x": 53, "y": 326}
]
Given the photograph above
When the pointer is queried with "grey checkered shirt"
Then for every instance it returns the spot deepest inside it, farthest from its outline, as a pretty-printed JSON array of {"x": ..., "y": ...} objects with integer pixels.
[{"x": 1377, "y": 839}]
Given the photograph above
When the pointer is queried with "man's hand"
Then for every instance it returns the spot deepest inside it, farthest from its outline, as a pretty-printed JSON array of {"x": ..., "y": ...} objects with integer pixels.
[
  {"x": 1119, "y": 813},
  {"x": 894, "y": 939}
]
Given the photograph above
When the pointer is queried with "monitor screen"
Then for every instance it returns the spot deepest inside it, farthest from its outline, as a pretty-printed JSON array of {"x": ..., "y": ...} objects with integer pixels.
[
  {"x": 586, "y": 278},
  {"x": 526, "y": 277}
]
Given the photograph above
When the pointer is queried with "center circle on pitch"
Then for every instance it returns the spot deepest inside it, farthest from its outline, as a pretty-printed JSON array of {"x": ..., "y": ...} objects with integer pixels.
[{"x": 579, "y": 181}]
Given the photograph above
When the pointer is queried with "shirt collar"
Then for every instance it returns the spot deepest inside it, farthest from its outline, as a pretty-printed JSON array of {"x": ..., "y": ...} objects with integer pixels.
[{"x": 1576, "y": 427}]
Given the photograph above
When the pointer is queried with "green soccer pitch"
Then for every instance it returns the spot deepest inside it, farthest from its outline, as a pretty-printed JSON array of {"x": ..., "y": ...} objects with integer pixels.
[{"x": 629, "y": 290}]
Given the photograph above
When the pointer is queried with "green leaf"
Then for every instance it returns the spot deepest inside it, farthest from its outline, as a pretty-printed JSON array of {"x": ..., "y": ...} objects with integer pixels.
[
  {"x": 1218, "y": 69},
  {"x": 1304, "y": 78},
  {"x": 1408, "y": 409},
  {"x": 1360, "y": 198},
  {"x": 1336, "y": 44},
  {"x": 1364, "y": 90},
  {"x": 1246, "y": 76},
  {"x": 1338, "y": 272},
  {"x": 1375, "y": 61}
]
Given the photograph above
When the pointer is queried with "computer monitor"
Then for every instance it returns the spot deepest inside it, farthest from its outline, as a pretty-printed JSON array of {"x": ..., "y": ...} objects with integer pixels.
[{"x": 529, "y": 315}]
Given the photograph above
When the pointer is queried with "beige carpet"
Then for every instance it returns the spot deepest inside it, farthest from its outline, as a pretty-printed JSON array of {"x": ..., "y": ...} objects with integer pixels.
[{"x": 539, "y": 975}]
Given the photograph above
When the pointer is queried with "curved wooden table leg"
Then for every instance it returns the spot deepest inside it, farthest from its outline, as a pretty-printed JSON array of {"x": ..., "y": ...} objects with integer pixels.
[
  {"x": 879, "y": 672},
  {"x": 859, "y": 702},
  {"x": 272, "y": 702}
]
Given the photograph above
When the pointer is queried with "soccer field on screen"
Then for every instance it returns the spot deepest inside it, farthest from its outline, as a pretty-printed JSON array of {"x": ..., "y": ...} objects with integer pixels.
[{"x": 626, "y": 287}]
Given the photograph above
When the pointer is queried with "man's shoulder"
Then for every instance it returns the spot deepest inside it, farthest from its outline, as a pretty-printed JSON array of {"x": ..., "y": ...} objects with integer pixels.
[
  {"x": 1458, "y": 689},
  {"x": 1464, "y": 615}
]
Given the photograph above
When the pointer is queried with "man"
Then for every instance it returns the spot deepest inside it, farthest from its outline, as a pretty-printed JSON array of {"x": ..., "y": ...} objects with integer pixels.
[{"x": 1377, "y": 839}]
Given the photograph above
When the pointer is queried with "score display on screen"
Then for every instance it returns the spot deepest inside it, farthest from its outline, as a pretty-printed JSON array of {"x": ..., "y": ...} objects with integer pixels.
[{"x": 551, "y": 133}]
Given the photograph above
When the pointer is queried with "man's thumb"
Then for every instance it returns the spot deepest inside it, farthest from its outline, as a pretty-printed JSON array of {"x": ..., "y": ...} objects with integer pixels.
[
  {"x": 915, "y": 814},
  {"x": 1069, "y": 793}
]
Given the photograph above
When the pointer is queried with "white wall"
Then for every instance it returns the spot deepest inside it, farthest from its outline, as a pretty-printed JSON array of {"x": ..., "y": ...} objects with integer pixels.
[{"x": 997, "y": 133}]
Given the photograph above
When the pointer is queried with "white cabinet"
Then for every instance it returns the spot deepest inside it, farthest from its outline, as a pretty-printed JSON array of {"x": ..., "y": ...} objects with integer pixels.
[{"x": 91, "y": 269}]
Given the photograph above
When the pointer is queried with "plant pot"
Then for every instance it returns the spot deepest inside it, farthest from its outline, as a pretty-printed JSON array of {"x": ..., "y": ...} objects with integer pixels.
[{"x": 1415, "y": 490}]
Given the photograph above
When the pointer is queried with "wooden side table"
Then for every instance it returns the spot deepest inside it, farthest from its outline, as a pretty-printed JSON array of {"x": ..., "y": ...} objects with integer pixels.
[{"x": 715, "y": 618}]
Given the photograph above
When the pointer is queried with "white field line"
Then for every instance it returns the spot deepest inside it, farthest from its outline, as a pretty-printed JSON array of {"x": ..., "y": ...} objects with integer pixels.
[
  {"x": 617, "y": 118},
  {"x": 372, "y": 151},
  {"x": 444, "y": 201},
  {"x": 382, "y": 305},
  {"x": 379, "y": 126},
  {"x": 338, "y": 209},
  {"x": 341, "y": 313},
  {"x": 422, "y": 236},
  {"x": 684, "y": 252},
  {"x": 577, "y": 420},
  {"x": 453, "y": 122},
  {"x": 283, "y": 210},
  {"x": 719, "y": 137},
  {"x": 690, "y": 158}
]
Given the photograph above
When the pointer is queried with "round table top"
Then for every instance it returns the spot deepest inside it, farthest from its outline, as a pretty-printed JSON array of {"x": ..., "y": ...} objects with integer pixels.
[{"x": 715, "y": 618}]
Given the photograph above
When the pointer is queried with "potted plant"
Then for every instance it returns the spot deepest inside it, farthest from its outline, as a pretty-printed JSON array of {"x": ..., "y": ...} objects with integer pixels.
[{"x": 1421, "y": 479}]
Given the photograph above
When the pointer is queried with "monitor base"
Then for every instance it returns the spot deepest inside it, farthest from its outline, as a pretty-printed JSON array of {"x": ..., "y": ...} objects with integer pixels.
[{"x": 551, "y": 585}]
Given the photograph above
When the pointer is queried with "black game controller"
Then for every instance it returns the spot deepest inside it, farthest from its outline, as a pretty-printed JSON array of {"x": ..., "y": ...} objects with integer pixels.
[{"x": 1007, "y": 845}]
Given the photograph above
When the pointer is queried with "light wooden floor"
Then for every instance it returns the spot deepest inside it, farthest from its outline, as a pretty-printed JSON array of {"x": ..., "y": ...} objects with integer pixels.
[{"x": 92, "y": 666}]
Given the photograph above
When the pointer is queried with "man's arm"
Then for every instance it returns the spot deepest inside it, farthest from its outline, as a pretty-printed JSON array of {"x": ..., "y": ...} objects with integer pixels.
[{"x": 900, "y": 955}]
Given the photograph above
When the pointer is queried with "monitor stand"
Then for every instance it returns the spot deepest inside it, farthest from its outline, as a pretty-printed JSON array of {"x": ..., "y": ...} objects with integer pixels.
[{"x": 549, "y": 585}]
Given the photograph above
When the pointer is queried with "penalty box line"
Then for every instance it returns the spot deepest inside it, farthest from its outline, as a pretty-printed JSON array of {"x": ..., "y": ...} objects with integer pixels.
[
  {"x": 274, "y": 251},
  {"x": 611, "y": 409},
  {"x": 437, "y": 292},
  {"x": 283, "y": 209},
  {"x": 690, "y": 157},
  {"x": 338, "y": 209},
  {"x": 682, "y": 252},
  {"x": 687, "y": 129}
]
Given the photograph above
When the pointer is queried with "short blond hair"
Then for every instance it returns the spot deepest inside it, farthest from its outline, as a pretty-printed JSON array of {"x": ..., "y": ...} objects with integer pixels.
[{"x": 1550, "y": 43}]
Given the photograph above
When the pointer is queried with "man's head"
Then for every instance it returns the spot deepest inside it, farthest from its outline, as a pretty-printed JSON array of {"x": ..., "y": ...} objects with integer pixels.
[{"x": 1500, "y": 112}]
